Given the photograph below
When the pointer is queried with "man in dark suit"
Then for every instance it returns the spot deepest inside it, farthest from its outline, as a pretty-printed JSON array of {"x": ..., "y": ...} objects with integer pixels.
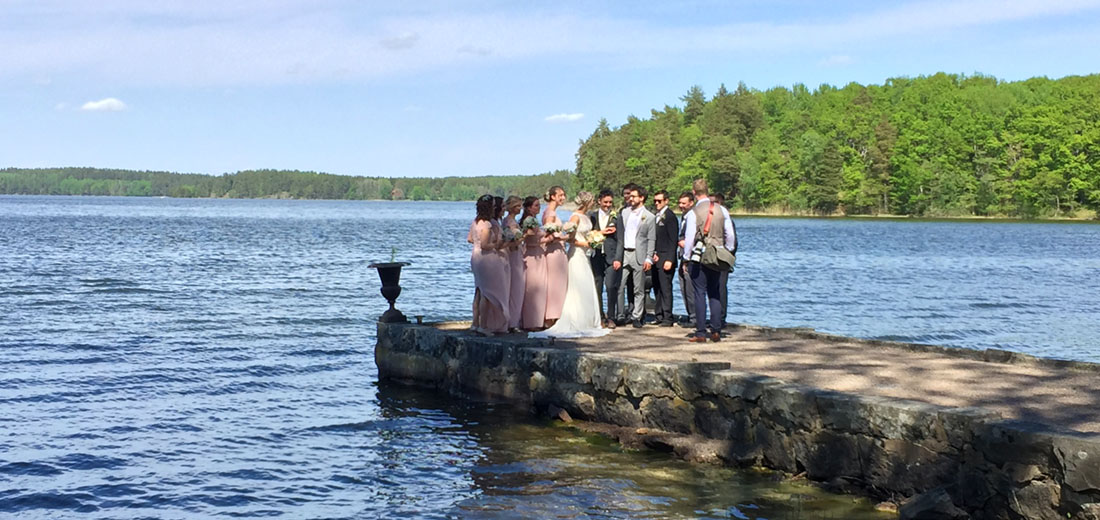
[
  {"x": 664, "y": 259},
  {"x": 605, "y": 219}
]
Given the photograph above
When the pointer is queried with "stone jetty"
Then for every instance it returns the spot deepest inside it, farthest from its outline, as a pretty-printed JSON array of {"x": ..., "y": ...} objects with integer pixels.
[{"x": 942, "y": 432}]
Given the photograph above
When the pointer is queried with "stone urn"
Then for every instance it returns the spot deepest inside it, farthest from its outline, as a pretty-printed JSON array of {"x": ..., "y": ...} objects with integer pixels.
[{"x": 390, "y": 274}]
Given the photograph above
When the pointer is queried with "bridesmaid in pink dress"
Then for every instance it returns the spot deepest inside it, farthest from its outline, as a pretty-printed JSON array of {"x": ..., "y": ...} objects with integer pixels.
[
  {"x": 514, "y": 250},
  {"x": 557, "y": 264},
  {"x": 534, "y": 268},
  {"x": 487, "y": 264}
]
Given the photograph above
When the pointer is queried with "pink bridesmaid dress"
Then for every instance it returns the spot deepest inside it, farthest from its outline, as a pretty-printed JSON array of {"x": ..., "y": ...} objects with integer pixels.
[
  {"x": 518, "y": 285},
  {"x": 488, "y": 266},
  {"x": 557, "y": 277},
  {"x": 534, "y": 282}
]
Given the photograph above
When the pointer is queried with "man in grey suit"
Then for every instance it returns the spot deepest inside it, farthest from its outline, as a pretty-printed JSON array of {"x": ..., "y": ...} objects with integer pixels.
[{"x": 634, "y": 252}]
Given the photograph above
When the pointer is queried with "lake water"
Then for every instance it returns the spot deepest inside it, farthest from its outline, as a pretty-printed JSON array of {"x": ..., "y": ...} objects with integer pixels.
[{"x": 166, "y": 358}]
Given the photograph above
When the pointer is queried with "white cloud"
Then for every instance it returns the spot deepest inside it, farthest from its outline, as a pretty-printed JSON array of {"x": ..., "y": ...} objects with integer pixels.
[
  {"x": 564, "y": 118},
  {"x": 402, "y": 42},
  {"x": 104, "y": 105},
  {"x": 837, "y": 60}
]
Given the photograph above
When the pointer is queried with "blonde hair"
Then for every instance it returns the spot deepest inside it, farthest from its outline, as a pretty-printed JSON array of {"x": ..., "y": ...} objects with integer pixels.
[
  {"x": 584, "y": 200},
  {"x": 512, "y": 200}
]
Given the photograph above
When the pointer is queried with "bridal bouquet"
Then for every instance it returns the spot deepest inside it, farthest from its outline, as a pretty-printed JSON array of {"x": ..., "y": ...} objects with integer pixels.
[
  {"x": 595, "y": 239},
  {"x": 552, "y": 228},
  {"x": 529, "y": 223}
]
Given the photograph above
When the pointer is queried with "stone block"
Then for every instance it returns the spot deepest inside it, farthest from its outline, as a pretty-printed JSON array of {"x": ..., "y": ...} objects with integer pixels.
[
  {"x": 826, "y": 454},
  {"x": 733, "y": 383},
  {"x": 648, "y": 379},
  {"x": 583, "y": 404},
  {"x": 907, "y": 468},
  {"x": 775, "y": 448},
  {"x": 564, "y": 366},
  {"x": 674, "y": 415},
  {"x": 688, "y": 379},
  {"x": 1079, "y": 458},
  {"x": 607, "y": 372},
  {"x": 618, "y": 411},
  {"x": 539, "y": 386},
  {"x": 791, "y": 406},
  {"x": 935, "y": 504},
  {"x": 1020, "y": 442},
  {"x": 717, "y": 417},
  {"x": 1038, "y": 500},
  {"x": 962, "y": 425}
]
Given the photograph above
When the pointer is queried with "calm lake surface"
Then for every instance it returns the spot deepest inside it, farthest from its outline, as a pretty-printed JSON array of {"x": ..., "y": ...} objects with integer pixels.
[{"x": 165, "y": 358}]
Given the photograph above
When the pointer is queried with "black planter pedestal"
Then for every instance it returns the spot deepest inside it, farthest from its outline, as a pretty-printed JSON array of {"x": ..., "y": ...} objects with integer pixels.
[{"x": 390, "y": 274}]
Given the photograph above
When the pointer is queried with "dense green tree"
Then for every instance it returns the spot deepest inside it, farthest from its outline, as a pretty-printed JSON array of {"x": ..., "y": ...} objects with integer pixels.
[{"x": 940, "y": 145}]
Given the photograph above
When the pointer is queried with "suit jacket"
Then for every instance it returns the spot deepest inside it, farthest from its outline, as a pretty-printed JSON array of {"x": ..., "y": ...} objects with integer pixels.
[
  {"x": 668, "y": 230},
  {"x": 644, "y": 242},
  {"x": 605, "y": 254}
]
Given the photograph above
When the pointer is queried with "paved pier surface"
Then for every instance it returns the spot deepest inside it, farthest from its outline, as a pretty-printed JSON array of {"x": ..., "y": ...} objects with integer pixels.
[{"x": 1060, "y": 394}]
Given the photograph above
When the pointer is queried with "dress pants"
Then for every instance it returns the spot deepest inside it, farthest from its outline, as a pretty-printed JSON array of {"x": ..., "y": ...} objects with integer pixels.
[
  {"x": 662, "y": 291},
  {"x": 706, "y": 282},
  {"x": 724, "y": 293},
  {"x": 632, "y": 271},
  {"x": 607, "y": 280}
]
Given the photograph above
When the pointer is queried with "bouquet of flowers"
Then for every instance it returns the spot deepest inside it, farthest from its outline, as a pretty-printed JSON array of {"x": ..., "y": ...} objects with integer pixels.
[
  {"x": 552, "y": 228},
  {"x": 569, "y": 227},
  {"x": 511, "y": 235},
  {"x": 529, "y": 223},
  {"x": 595, "y": 239}
]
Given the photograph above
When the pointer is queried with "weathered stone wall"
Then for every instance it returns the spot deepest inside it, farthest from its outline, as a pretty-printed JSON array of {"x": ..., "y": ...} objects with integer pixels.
[{"x": 938, "y": 462}]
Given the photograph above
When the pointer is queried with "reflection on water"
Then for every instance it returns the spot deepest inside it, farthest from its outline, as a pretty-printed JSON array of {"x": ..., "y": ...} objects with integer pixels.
[{"x": 542, "y": 469}]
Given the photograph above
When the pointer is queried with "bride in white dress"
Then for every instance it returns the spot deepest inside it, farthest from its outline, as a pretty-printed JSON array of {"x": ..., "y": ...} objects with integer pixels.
[{"x": 580, "y": 317}]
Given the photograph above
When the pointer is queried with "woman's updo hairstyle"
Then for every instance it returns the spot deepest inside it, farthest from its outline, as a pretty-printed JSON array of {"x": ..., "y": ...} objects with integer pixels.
[
  {"x": 485, "y": 207},
  {"x": 550, "y": 193},
  {"x": 583, "y": 199}
]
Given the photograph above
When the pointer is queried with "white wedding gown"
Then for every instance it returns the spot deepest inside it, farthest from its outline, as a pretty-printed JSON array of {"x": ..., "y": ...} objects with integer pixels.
[{"x": 580, "y": 316}]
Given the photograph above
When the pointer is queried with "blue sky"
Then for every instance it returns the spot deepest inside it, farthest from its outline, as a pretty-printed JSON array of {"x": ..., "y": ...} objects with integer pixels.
[{"x": 436, "y": 88}]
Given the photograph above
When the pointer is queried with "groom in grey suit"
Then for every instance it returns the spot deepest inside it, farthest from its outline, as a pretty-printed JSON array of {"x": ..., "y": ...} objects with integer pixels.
[{"x": 634, "y": 252}]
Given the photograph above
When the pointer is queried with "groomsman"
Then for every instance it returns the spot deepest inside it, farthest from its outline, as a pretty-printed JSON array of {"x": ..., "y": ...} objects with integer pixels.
[
  {"x": 664, "y": 258},
  {"x": 686, "y": 203},
  {"x": 626, "y": 308},
  {"x": 607, "y": 277},
  {"x": 634, "y": 254}
]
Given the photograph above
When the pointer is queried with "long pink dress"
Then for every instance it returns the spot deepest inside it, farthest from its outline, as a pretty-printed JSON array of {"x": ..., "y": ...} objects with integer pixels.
[
  {"x": 518, "y": 285},
  {"x": 557, "y": 273},
  {"x": 534, "y": 277},
  {"x": 488, "y": 266}
]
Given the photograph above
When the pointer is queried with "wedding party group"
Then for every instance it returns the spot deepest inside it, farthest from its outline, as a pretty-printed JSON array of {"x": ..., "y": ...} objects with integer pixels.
[{"x": 535, "y": 273}]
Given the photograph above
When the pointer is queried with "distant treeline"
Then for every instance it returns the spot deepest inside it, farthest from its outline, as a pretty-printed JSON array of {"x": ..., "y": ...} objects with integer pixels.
[
  {"x": 269, "y": 184},
  {"x": 942, "y": 145}
]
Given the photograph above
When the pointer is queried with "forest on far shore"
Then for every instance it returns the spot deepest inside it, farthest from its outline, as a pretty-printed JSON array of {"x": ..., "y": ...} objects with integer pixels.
[
  {"x": 261, "y": 184},
  {"x": 944, "y": 145}
]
